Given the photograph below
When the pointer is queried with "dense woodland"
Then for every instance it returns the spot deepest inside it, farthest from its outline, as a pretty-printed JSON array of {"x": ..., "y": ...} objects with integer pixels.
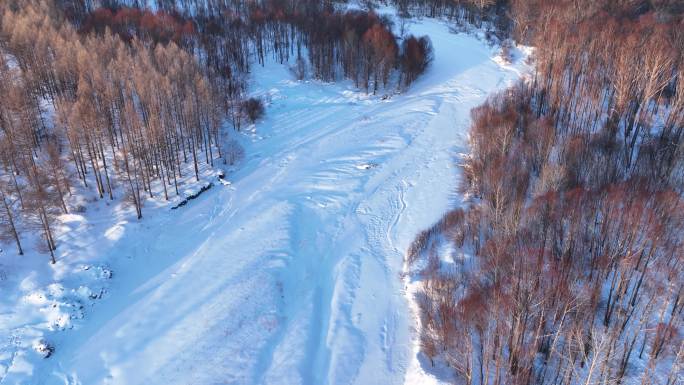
[
  {"x": 568, "y": 257},
  {"x": 568, "y": 261},
  {"x": 125, "y": 97}
]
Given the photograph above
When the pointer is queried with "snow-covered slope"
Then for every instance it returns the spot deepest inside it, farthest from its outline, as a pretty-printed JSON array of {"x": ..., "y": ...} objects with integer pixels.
[{"x": 291, "y": 275}]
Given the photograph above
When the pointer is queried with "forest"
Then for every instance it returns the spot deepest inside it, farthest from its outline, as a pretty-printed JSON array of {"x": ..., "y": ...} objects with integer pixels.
[
  {"x": 568, "y": 253},
  {"x": 127, "y": 99}
]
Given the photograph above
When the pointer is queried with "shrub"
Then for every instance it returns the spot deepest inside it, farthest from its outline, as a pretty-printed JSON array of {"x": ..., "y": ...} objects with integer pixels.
[{"x": 253, "y": 108}]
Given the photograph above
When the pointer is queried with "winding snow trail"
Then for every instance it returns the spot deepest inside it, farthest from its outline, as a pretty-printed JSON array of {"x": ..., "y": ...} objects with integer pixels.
[{"x": 291, "y": 275}]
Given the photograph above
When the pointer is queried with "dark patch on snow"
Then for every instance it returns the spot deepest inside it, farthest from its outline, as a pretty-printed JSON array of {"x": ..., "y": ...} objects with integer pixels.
[
  {"x": 43, "y": 348},
  {"x": 222, "y": 179},
  {"x": 193, "y": 196}
]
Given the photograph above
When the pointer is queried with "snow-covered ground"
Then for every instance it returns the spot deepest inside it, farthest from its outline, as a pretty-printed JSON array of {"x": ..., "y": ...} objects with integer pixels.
[{"x": 291, "y": 274}]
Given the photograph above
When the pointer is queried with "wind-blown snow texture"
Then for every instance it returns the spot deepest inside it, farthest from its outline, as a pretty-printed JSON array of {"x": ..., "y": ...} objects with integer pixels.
[{"x": 291, "y": 275}]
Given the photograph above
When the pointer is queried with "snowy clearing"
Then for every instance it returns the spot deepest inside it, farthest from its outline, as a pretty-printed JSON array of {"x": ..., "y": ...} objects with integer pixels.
[{"x": 290, "y": 273}]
